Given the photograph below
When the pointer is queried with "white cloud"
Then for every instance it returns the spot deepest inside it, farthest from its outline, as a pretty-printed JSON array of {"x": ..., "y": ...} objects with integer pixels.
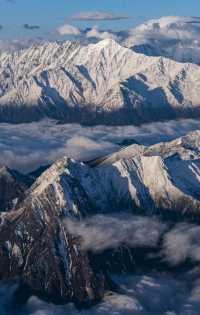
[
  {"x": 96, "y": 33},
  {"x": 181, "y": 243},
  {"x": 102, "y": 232},
  {"x": 97, "y": 16},
  {"x": 67, "y": 29}
]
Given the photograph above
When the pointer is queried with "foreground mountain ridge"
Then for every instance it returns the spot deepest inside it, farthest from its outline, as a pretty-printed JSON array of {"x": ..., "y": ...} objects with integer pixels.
[
  {"x": 36, "y": 245},
  {"x": 98, "y": 83}
]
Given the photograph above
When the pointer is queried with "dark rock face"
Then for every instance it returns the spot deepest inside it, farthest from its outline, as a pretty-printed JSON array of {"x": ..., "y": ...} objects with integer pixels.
[
  {"x": 12, "y": 186},
  {"x": 36, "y": 248},
  {"x": 47, "y": 259}
]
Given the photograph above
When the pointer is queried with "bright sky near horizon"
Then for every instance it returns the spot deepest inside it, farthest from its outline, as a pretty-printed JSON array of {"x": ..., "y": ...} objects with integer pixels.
[{"x": 20, "y": 18}]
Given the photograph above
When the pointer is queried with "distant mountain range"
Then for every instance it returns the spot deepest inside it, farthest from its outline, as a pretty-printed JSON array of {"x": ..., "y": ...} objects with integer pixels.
[
  {"x": 174, "y": 37},
  {"x": 103, "y": 83}
]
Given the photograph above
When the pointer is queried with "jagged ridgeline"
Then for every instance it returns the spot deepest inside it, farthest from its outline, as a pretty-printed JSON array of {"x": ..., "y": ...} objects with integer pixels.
[
  {"x": 39, "y": 248},
  {"x": 103, "y": 83}
]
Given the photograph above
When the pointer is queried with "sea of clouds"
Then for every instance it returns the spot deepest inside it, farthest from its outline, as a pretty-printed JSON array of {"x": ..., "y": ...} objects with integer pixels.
[{"x": 25, "y": 147}]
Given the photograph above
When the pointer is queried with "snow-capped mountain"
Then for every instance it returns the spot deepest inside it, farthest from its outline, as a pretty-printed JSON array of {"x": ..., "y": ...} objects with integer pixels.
[
  {"x": 164, "y": 176},
  {"x": 97, "y": 83}
]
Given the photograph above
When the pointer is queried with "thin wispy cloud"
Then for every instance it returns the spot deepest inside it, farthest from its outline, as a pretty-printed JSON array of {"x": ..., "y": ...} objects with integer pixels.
[{"x": 97, "y": 16}]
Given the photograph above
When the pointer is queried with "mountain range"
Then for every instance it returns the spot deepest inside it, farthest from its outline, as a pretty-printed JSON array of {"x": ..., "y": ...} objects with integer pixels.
[
  {"x": 174, "y": 37},
  {"x": 103, "y": 83}
]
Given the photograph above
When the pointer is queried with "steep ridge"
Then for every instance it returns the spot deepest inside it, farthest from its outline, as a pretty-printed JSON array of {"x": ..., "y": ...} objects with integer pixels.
[
  {"x": 36, "y": 247},
  {"x": 98, "y": 83}
]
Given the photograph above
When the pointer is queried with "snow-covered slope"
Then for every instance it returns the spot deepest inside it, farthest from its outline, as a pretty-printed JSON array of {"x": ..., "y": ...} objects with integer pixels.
[
  {"x": 98, "y": 83},
  {"x": 175, "y": 37},
  {"x": 164, "y": 176}
]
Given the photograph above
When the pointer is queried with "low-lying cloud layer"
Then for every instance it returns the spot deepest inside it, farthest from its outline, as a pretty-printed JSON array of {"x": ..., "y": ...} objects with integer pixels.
[
  {"x": 102, "y": 232},
  {"x": 27, "y": 146},
  {"x": 177, "y": 244}
]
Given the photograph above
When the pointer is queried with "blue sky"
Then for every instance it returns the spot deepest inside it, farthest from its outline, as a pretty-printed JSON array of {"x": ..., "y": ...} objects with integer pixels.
[{"x": 50, "y": 14}]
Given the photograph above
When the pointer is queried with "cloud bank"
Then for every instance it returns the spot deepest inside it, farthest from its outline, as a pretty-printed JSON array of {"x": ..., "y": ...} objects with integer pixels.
[
  {"x": 102, "y": 232},
  {"x": 27, "y": 146}
]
